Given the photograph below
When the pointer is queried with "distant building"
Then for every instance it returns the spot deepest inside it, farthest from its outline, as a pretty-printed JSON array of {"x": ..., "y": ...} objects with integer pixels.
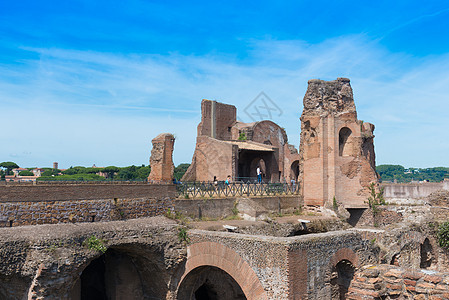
[
  {"x": 18, "y": 170},
  {"x": 38, "y": 172}
]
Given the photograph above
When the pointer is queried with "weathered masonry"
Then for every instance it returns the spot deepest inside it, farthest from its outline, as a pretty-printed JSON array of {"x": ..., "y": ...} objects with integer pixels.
[
  {"x": 24, "y": 204},
  {"x": 336, "y": 150},
  {"x": 225, "y": 146},
  {"x": 145, "y": 260}
]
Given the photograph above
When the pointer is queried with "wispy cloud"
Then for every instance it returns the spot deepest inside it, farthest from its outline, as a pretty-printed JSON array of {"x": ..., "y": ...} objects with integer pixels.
[{"x": 104, "y": 108}]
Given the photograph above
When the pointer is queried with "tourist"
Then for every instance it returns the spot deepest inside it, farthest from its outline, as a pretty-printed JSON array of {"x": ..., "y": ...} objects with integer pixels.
[
  {"x": 228, "y": 180},
  {"x": 259, "y": 175}
]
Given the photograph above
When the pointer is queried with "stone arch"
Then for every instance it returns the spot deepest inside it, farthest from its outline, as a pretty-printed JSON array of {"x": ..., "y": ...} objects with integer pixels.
[
  {"x": 341, "y": 268},
  {"x": 259, "y": 161},
  {"x": 123, "y": 272},
  {"x": 344, "y": 254},
  {"x": 294, "y": 170},
  {"x": 215, "y": 255},
  {"x": 395, "y": 259},
  {"x": 343, "y": 141},
  {"x": 341, "y": 277},
  {"x": 267, "y": 130}
]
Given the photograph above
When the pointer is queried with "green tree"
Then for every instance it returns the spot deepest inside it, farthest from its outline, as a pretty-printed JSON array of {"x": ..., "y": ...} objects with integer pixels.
[
  {"x": 110, "y": 171},
  {"x": 26, "y": 173},
  {"x": 8, "y": 165},
  {"x": 143, "y": 172},
  {"x": 50, "y": 172},
  {"x": 443, "y": 235},
  {"x": 180, "y": 170},
  {"x": 127, "y": 173}
]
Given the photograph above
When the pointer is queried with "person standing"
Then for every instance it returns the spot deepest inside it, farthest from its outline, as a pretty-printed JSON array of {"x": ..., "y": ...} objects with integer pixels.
[{"x": 259, "y": 175}]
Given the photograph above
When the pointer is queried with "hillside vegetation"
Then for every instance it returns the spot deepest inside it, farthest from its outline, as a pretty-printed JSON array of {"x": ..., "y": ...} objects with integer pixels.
[{"x": 401, "y": 174}]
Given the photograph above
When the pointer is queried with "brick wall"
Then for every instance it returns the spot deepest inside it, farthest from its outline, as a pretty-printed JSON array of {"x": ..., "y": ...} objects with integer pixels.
[
  {"x": 390, "y": 282},
  {"x": 51, "y": 204},
  {"x": 61, "y": 192},
  {"x": 53, "y": 212}
]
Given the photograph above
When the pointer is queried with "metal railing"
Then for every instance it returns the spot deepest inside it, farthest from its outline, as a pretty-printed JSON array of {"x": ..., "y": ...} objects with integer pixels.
[{"x": 221, "y": 189}]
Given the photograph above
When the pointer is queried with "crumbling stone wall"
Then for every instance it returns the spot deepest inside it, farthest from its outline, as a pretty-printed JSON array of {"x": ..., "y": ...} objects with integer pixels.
[
  {"x": 219, "y": 152},
  {"x": 405, "y": 191},
  {"x": 296, "y": 267},
  {"x": 53, "y": 212},
  {"x": 391, "y": 282},
  {"x": 45, "y": 262},
  {"x": 161, "y": 159},
  {"x": 65, "y": 203},
  {"x": 216, "y": 120},
  {"x": 336, "y": 149},
  {"x": 87, "y": 191}
]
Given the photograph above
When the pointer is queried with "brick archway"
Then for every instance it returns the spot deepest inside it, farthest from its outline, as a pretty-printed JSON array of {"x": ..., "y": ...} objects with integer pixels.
[
  {"x": 341, "y": 272},
  {"x": 344, "y": 254},
  {"x": 219, "y": 256}
]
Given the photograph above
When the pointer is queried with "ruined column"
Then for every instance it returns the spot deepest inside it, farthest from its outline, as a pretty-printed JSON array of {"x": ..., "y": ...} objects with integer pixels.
[
  {"x": 336, "y": 152},
  {"x": 161, "y": 160}
]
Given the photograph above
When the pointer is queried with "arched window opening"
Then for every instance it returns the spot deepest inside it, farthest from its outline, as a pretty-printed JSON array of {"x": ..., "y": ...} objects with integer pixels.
[
  {"x": 294, "y": 171},
  {"x": 342, "y": 275},
  {"x": 209, "y": 283},
  {"x": 395, "y": 259},
  {"x": 343, "y": 137},
  {"x": 116, "y": 275}
]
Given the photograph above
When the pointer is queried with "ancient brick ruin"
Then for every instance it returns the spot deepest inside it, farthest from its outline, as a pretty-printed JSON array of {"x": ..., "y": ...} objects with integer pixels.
[
  {"x": 146, "y": 241},
  {"x": 161, "y": 160},
  {"x": 225, "y": 146},
  {"x": 336, "y": 150}
]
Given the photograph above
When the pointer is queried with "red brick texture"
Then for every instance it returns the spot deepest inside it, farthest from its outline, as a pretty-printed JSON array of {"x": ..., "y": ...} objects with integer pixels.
[
  {"x": 69, "y": 203},
  {"x": 64, "y": 192},
  {"x": 226, "y": 259},
  {"x": 392, "y": 282},
  {"x": 344, "y": 254},
  {"x": 161, "y": 159},
  {"x": 298, "y": 275}
]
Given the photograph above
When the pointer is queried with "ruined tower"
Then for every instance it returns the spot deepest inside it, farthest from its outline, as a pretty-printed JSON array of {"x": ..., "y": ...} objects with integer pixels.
[
  {"x": 336, "y": 152},
  {"x": 161, "y": 160}
]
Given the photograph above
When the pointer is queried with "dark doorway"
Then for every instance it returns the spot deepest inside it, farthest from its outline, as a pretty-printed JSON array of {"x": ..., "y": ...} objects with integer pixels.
[
  {"x": 113, "y": 275},
  {"x": 342, "y": 275},
  {"x": 426, "y": 254},
  {"x": 92, "y": 280},
  {"x": 206, "y": 292},
  {"x": 294, "y": 171},
  {"x": 209, "y": 283},
  {"x": 248, "y": 162},
  {"x": 354, "y": 215}
]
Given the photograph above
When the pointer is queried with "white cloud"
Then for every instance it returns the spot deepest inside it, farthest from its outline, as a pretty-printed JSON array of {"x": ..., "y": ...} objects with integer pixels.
[{"x": 104, "y": 108}]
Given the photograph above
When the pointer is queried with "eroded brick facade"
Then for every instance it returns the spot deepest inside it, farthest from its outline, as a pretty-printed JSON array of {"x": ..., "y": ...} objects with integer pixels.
[
  {"x": 337, "y": 150},
  {"x": 161, "y": 159},
  {"x": 226, "y": 146}
]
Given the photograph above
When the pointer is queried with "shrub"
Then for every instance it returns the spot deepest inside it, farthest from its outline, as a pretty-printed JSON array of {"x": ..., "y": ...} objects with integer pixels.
[
  {"x": 242, "y": 136},
  {"x": 26, "y": 173},
  {"x": 182, "y": 235},
  {"x": 95, "y": 243},
  {"x": 376, "y": 198},
  {"x": 443, "y": 235}
]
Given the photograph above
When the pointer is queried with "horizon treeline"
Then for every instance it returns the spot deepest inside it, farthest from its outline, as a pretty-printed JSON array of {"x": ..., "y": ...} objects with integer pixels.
[
  {"x": 387, "y": 172},
  {"x": 80, "y": 173},
  {"x": 404, "y": 175}
]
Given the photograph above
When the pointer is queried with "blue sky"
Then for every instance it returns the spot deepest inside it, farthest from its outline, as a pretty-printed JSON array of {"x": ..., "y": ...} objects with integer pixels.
[{"x": 92, "y": 82}]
